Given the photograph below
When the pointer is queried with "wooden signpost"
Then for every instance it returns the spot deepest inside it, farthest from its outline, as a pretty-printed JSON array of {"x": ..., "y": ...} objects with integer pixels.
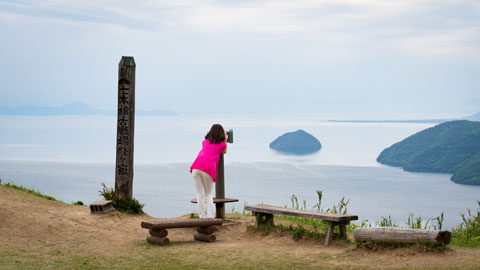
[{"x": 125, "y": 128}]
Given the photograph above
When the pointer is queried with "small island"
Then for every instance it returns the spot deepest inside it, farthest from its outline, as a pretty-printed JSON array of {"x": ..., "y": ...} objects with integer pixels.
[
  {"x": 296, "y": 143},
  {"x": 451, "y": 147}
]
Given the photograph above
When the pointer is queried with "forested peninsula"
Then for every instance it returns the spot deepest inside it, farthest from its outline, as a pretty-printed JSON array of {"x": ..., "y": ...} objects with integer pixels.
[{"x": 450, "y": 147}]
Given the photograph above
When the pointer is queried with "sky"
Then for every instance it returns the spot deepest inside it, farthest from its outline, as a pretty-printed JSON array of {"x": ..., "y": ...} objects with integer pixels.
[{"x": 356, "y": 57}]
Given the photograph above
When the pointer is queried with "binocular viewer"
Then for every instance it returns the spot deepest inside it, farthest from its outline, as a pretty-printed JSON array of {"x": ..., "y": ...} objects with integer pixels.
[{"x": 230, "y": 136}]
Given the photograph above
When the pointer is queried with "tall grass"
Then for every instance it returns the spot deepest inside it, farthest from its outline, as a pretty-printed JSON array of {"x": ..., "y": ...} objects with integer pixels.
[
  {"x": 319, "y": 203},
  {"x": 386, "y": 221},
  {"x": 468, "y": 232},
  {"x": 416, "y": 222},
  {"x": 413, "y": 222},
  {"x": 340, "y": 208},
  {"x": 439, "y": 221}
]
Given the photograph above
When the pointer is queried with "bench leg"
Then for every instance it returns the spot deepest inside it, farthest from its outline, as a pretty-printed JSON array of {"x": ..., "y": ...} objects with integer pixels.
[
  {"x": 329, "y": 234},
  {"x": 204, "y": 237},
  {"x": 343, "y": 229},
  {"x": 264, "y": 219},
  {"x": 158, "y": 237},
  {"x": 220, "y": 210}
]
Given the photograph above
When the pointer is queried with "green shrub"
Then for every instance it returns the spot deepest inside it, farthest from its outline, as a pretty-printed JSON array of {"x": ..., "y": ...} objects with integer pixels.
[
  {"x": 78, "y": 203},
  {"x": 297, "y": 232},
  {"x": 131, "y": 205}
]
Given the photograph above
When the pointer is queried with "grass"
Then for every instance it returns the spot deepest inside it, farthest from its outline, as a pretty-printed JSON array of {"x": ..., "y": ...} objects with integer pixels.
[
  {"x": 28, "y": 190},
  {"x": 467, "y": 234},
  {"x": 301, "y": 232},
  {"x": 137, "y": 254},
  {"x": 130, "y": 206},
  {"x": 418, "y": 247},
  {"x": 153, "y": 257},
  {"x": 298, "y": 228},
  {"x": 78, "y": 203},
  {"x": 34, "y": 192}
]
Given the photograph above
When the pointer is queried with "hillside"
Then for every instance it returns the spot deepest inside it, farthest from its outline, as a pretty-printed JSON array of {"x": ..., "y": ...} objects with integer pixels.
[
  {"x": 469, "y": 172},
  {"x": 296, "y": 143},
  {"x": 449, "y": 147},
  {"x": 40, "y": 234}
]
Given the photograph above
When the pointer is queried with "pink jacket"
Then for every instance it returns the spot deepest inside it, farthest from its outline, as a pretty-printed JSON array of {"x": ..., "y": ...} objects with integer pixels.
[{"x": 207, "y": 159}]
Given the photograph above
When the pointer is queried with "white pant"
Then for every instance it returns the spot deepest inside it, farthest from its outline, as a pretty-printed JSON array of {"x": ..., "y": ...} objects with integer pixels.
[{"x": 204, "y": 186}]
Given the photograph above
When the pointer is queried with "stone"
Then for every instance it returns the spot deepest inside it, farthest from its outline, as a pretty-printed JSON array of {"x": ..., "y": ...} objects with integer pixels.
[{"x": 101, "y": 207}]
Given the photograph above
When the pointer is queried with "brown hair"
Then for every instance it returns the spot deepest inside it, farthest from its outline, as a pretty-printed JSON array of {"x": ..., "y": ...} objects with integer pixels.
[{"x": 216, "y": 134}]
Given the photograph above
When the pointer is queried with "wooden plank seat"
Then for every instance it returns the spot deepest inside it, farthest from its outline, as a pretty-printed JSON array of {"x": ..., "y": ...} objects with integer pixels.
[
  {"x": 264, "y": 214},
  {"x": 219, "y": 205},
  {"x": 158, "y": 229},
  {"x": 219, "y": 200}
]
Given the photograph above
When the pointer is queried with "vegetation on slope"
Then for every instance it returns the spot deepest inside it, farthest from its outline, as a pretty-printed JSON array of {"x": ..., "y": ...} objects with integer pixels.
[
  {"x": 469, "y": 172},
  {"x": 450, "y": 147},
  {"x": 28, "y": 190}
]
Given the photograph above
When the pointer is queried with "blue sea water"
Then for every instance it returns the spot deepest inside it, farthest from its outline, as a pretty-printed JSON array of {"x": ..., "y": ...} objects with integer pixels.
[{"x": 69, "y": 157}]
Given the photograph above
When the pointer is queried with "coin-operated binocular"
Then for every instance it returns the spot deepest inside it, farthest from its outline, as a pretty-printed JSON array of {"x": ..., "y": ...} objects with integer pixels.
[{"x": 230, "y": 136}]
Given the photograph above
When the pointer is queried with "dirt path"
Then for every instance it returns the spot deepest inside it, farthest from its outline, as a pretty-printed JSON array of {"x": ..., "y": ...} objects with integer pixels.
[{"x": 34, "y": 229}]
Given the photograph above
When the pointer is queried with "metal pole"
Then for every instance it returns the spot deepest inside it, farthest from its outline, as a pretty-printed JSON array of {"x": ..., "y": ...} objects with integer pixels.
[{"x": 220, "y": 189}]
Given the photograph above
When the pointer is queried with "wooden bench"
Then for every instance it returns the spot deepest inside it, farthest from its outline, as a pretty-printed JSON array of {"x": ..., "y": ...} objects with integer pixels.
[
  {"x": 264, "y": 214},
  {"x": 158, "y": 229}
]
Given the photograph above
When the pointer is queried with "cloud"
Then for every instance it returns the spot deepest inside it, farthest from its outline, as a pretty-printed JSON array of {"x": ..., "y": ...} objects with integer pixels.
[
  {"x": 344, "y": 28},
  {"x": 99, "y": 12},
  {"x": 339, "y": 48},
  {"x": 451, "y": 43}
]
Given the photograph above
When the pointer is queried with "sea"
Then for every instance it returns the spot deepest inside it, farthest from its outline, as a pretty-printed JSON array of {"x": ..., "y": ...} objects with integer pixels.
[{"x": 69, "y": 157}]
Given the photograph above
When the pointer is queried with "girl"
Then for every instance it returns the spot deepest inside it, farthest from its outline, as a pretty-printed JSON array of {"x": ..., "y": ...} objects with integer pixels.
[{"x": 204, "y": 169}]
